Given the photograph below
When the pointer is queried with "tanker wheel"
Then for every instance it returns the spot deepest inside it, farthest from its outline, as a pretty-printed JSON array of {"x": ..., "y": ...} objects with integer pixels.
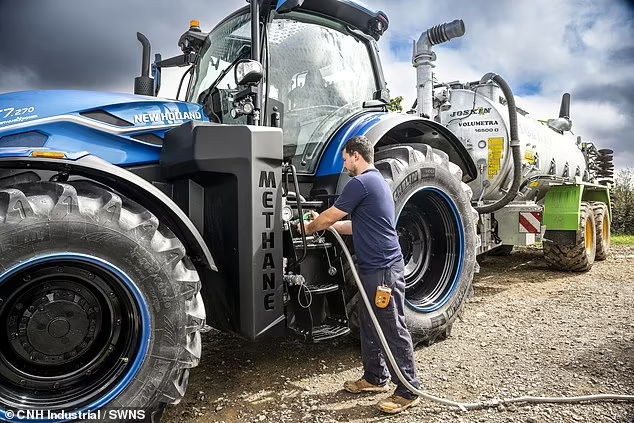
[
  {"x": 436, "y": 227},
  {"x": 578, "y": 257},
  {"x": 99, "y": 306},
  {"x": 603, "y": 225}
]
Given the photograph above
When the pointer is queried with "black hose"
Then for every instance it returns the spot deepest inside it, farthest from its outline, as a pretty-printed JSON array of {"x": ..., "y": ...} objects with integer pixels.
[
  {"x": 180, "y": 84},
  {"x": 515, "y": 146},
  {"x": 300, "y": 210}
]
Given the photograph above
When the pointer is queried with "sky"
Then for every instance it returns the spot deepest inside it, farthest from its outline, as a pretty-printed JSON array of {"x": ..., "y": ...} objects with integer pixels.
[{"x": 542, "y": 48}]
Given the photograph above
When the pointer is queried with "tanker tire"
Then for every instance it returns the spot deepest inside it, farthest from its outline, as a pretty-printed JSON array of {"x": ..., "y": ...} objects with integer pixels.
[
  {"x": 85, "y": 221},
  {"x": 579, "y": 257},
  {"x": 409, "y": 168},
  {"x": 603, "y": 226}
]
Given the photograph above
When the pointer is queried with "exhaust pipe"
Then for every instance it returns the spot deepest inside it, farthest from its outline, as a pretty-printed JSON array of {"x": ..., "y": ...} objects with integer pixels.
[
  {"x": 422, "y": 58},
  {"x": 564, "y": 110},
  {"x": 144, "y": 84}
]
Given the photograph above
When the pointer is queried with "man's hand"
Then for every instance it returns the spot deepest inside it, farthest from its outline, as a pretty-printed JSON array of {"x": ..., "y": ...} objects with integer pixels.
[
  {"x": 322, "y": 221},
  {"x": 313, "y": 215}
]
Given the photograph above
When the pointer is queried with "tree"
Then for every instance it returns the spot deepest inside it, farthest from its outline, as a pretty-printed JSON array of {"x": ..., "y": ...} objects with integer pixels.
[
  {"x": 395, "y": 104},
  {"x": 622, "y": 194}
]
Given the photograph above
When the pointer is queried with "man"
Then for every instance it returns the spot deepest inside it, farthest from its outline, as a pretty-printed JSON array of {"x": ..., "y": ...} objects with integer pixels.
[{"x": 368, "y": 200}]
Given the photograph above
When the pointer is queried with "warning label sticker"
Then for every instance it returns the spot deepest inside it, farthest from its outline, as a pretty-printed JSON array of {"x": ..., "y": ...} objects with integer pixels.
[{"x": 496, "y": 154}]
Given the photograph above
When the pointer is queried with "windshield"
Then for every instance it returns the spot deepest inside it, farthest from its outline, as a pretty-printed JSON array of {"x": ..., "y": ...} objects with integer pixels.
[
  {"x": 228, "y": 42},
  {"x": 323, "y": 75}
]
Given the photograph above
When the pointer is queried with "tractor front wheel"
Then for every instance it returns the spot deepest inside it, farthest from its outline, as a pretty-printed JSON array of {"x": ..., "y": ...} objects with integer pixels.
[{"x": 99, "y": 306}]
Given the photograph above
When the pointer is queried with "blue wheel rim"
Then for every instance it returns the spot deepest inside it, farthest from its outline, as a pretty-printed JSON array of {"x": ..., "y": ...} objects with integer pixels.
[
  {"x": 142, "y": 308},
  {"x": 443, "y": 233}
]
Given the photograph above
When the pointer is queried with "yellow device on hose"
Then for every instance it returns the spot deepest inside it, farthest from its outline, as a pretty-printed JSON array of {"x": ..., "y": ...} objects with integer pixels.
[{"x": 383, "y": 295}]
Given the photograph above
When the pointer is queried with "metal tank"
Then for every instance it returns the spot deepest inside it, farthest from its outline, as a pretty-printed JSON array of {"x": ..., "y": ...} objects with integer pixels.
[{"x": 478, "y": 115}]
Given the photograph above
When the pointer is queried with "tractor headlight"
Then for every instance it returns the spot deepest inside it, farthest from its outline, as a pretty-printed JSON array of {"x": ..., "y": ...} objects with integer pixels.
[{"x": 247, "y": 108}]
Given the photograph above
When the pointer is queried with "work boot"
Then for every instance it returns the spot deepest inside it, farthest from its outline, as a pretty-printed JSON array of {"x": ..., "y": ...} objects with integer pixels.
[
  {"x": 395, "y": 404},
  {"x": 362, "y": 385}
]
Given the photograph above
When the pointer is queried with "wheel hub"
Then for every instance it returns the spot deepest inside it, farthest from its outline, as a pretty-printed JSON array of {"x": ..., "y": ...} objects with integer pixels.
[
  {"x": 431, "y": 242},
  {"x": 70, "y": 328},
  {"x": 57, "y": 327},
  {"x": 415, "y": 241}
]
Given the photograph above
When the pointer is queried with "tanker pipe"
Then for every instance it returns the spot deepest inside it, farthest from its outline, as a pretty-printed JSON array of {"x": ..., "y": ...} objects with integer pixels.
[
  {"x": 422, "y": 58},
  {"x": 515, "y": 146}
]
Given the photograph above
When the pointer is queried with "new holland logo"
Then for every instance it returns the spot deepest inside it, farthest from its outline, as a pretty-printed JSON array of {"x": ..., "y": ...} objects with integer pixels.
[{"x": 169, "y": 117}]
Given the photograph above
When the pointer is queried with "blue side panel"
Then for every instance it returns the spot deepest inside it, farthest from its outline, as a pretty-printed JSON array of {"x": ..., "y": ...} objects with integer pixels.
[
  {"x": 332, "y": 162},
  {"x": 56, "y": 121},
  {"x": 118, "y": 150},
  {"x": 26, "y": 105}
]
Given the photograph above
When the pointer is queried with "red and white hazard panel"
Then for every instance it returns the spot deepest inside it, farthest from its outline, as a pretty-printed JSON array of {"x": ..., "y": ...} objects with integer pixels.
[{"x": 530, "y": 222}]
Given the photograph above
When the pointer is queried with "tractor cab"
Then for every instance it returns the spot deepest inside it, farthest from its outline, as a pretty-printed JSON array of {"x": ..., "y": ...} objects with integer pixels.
[{"x": 320, "y": 68}]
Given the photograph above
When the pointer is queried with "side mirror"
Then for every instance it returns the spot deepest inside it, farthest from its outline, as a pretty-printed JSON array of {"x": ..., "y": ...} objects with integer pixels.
[{"x": 248, "y": 72}]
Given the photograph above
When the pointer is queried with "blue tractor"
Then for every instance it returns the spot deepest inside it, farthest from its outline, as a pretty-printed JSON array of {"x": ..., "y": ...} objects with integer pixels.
[{"x": 128, "y": 223}]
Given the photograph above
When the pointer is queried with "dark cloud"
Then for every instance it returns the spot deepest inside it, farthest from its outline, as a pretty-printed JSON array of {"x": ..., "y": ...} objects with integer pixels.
[
  {"x": 92, "y": 44},
  {"x": 619, "y": 93}
]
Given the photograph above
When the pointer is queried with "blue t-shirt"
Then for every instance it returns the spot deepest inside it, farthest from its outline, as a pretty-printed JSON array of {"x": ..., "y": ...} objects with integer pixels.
[{"x": 368, "y": 200}]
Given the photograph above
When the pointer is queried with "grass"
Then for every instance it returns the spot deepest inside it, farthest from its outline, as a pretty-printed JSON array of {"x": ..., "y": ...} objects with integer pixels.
[{"x": 622, "y": 240}]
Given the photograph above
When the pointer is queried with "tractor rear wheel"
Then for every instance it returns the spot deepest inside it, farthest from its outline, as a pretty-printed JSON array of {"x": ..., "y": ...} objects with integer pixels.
[
  {"x": 602, "y": 224},
  {"x": 99, "y": 306},
  {"x": 580, "y": 256},
  {"x": 436, "y": 227}
]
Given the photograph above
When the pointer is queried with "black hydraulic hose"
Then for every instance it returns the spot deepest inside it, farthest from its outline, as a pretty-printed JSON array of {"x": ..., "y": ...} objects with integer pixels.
[
  {"x": 300, "y": 210},
  {"x": 180, "y": 84},
  {"x": 515, "y": 146}
]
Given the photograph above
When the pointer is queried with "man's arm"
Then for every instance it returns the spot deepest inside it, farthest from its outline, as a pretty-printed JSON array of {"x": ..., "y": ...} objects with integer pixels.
[
  {"x": 325, "y": 220},
  {"x": 344, "y": 227}
]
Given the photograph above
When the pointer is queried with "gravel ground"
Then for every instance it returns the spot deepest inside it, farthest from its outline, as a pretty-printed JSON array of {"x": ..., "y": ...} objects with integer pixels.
[{"x": 527, "y": 331}]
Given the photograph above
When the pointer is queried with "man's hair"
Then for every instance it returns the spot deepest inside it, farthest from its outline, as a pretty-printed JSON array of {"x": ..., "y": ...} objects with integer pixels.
[{"x": 362, "y": 146}]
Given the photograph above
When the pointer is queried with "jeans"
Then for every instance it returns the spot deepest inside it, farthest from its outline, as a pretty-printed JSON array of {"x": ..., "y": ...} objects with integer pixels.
[{"x": 377, "y": 369}]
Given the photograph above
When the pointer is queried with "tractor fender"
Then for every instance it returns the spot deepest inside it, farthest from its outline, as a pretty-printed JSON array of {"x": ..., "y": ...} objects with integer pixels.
[
  {"x": 381, "y": 128},
  {"x": 131, "y": 186}
]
